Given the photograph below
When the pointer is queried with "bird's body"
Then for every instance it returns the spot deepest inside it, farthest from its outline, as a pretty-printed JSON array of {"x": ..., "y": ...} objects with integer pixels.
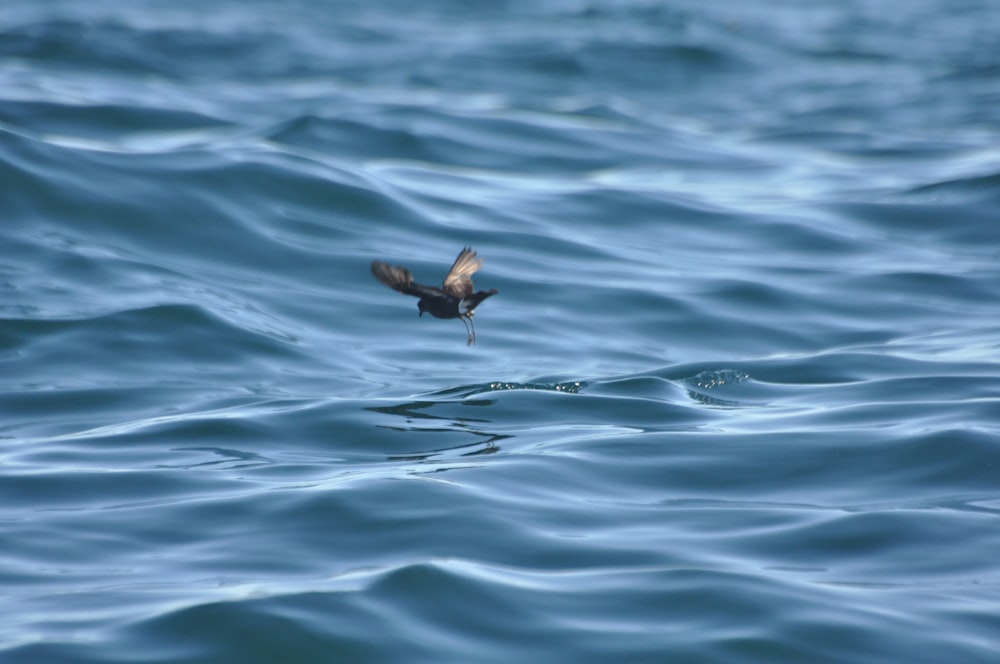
[{"x": 457, "y": 297}]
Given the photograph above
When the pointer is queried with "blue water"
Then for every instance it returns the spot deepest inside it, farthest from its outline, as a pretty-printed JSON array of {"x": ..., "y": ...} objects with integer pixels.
[{"x": 738, "y": 399}]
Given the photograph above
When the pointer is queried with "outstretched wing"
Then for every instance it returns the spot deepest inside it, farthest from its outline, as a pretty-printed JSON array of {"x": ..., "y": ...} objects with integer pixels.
[
  {"x": 399, "y": 279},
  {"x": 458, "y": 283}
]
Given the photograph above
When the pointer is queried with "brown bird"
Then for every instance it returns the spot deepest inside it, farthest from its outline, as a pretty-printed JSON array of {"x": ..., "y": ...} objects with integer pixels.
[{"x": 455, "y": 299}]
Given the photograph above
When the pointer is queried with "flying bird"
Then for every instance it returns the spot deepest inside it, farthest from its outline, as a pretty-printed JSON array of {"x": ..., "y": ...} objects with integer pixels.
[{"x": 455, "y": 299}]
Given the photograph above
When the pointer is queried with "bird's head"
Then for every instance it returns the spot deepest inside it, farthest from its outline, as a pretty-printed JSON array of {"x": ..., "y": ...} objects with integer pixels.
[{"x": 420, "y": 305}]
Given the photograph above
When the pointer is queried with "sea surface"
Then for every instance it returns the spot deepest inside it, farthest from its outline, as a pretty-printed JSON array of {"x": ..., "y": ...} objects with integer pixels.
[{"x": 737, "y": 400}]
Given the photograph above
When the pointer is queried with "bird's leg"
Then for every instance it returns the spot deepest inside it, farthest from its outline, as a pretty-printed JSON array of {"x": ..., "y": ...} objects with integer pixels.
[
  {"x": 472, "y": 336},
  {"x": 467, "y": 330},
  {"x": 471, "y": 331}
]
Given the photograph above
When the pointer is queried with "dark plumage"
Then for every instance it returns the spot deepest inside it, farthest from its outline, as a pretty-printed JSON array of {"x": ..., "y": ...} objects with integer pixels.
[{"x": 455, "y": 299}]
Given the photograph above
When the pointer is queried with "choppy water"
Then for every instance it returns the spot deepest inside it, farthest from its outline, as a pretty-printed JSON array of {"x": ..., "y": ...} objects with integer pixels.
[{"x": 738, "y": 398}]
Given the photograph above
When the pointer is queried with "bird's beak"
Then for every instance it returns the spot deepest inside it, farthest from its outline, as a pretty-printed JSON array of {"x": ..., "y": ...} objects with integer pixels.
[{"x": 420, "y": 315}]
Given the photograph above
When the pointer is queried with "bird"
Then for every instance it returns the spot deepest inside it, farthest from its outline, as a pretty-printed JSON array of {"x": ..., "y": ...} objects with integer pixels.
[{"x": 457, "y": 297}]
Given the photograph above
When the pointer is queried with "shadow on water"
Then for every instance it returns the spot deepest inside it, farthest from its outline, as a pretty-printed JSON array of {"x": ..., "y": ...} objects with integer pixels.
[
  {"x": 416, "y": 411},
  {"x": 418, "y": 418},
  {"x": 228, "y": 458}
]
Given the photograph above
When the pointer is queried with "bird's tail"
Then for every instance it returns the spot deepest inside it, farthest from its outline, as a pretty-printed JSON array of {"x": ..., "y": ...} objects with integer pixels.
[{"x": 476, "y": 299}]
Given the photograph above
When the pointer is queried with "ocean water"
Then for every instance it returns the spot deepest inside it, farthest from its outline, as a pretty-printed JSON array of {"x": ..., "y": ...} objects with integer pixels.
[{"x": 738, "y": 399}]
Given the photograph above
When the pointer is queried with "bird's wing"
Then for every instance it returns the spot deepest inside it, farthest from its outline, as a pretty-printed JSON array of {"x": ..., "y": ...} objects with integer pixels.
[
  {"x": 458, "y": 283},
  {"x": 399, "y": 279}
]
